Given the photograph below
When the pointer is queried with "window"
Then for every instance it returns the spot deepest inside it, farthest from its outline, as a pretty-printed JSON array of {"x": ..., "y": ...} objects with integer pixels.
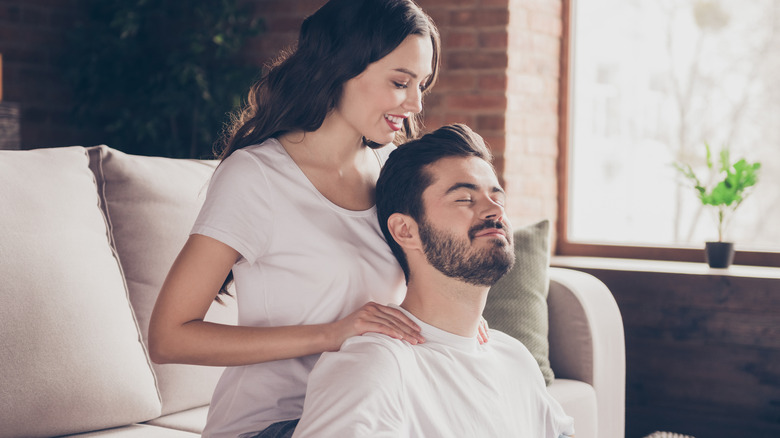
[{"x": 647, "y": 83}]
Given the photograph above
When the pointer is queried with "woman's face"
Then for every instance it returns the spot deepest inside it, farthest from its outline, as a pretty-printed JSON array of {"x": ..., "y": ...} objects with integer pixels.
[{"x": 375, "y": 103}]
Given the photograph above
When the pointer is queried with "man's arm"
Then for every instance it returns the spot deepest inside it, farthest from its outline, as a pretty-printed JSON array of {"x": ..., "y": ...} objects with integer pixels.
[{"x": 356, "y": 392}]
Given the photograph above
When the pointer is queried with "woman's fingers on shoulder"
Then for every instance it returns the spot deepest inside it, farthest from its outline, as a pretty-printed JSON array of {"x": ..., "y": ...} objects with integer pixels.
[
  {"x": 398, "y": 319},
  {"x": 401, "y": 317}
]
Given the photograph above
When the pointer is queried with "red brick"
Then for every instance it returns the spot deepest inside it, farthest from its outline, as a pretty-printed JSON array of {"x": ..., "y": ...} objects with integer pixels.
[
  {"x": 475, "y": 60},
  {"x": 462, "y": 18},
  {"x": 480, "y": 18},
  {"x": 459, "y": 39},
  {"x": 454, "y": 80},
  {"x": 493, "y": 17},
  {"x": 433, "y": 100},
  {"x": 492, "y": 82},
  {"x": 467, "y": 119},
  {"x": 490, "y": 122},
  {"x": 494, "y": 39},
  {"x": 494, "y": 3},
  {"x": 476, "y": 102},
  {"x": 432, "y": 122},
  {"x": 440, "y": 17},
  {"x": 496, "y": 143}
]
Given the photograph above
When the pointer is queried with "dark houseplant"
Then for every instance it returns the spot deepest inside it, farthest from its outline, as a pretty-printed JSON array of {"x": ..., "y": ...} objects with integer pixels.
[
  {"x": 731, "y": 184},
  {"x": 159, "y": 77}
]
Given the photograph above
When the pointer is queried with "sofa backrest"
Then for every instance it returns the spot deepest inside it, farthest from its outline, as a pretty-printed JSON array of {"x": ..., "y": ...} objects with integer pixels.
[
  {"x": 150, "y": 204},
  {"x": 88, "y": 235}
]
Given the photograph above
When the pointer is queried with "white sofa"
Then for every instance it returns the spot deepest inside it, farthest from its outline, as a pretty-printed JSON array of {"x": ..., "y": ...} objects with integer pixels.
[{"x": 88, "y": 236}]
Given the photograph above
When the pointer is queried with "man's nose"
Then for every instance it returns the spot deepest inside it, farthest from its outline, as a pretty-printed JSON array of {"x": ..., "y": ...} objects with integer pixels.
[{"x": 492, "y": 210}]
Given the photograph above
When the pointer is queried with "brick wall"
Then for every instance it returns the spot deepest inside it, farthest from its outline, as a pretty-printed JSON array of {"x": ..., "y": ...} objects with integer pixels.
[
  {"x": 500, "y": 70},
  {"x": 532, "y": 109},
  {"x": 31, "y": 41},
  {"x": 500, "y": 73}
]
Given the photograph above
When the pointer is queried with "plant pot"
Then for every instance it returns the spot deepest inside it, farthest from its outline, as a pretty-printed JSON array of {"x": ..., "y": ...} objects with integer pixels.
[{"x": 719, "y": 254}]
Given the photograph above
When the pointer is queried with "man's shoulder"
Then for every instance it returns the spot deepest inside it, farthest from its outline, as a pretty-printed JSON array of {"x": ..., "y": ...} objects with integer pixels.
[
  {"x": 371, "y": 359},
  {"x": 371, "y": 352},
  {"x": 501, "y": 340},
  {"x": 376, "y": 343}
]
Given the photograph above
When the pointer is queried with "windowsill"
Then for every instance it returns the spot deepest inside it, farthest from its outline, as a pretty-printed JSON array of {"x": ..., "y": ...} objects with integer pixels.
[{"x": 658, "y": 266}]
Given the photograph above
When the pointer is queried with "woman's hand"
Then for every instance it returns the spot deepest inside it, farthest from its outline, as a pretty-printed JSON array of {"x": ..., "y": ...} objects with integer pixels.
[
  {"x": 377, "y": 318},
  {"x": 482, "y": 334}
]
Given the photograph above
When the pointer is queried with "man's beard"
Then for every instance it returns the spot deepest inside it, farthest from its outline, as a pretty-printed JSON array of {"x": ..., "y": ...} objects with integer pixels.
[{"x": 454, "y": 257}]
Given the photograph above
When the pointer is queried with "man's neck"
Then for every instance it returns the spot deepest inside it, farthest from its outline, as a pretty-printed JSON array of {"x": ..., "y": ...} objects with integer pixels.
[{"x": 445, "y": 303}]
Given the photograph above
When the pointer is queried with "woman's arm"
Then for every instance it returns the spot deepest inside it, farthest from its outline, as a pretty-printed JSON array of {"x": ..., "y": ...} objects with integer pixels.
[{"x": 178, "y": 333}]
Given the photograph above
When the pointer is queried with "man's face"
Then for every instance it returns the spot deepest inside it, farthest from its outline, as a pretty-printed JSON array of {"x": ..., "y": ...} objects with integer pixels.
[{"x": 464, "y": 231}]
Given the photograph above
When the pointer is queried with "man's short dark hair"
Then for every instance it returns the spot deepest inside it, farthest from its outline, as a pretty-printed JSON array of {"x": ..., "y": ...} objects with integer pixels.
[{"x": 405, "y": 176}]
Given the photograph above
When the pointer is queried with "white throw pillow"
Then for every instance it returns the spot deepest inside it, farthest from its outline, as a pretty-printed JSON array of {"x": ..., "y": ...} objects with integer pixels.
[
  {"x": 71, "y": 355},
  {"x": 151, "y": 204}
]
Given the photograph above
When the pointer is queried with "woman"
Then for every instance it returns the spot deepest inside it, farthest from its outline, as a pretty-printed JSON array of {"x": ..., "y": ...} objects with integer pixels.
[{"x": 290, "y": 216}]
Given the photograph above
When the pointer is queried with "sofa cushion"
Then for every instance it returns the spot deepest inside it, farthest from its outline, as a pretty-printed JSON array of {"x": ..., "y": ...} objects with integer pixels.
[
  {"x": 578, "y": 400},
  {"x": 138, "y": 431},
  {"x": 191, "y": 420},
  {"x": 70, "y": 352},
  {"x": 517, "y": 303},
  {"x": 151, "y": 204}
]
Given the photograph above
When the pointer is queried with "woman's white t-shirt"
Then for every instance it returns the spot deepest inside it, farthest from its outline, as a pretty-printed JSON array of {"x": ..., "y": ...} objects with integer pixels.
[{"x": 304, "y": 260}]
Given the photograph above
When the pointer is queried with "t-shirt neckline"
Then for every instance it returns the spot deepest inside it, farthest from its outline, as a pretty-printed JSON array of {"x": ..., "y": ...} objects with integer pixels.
[
  {"x": 437, "y": 335},
  {"x": 369, "y": 211}
]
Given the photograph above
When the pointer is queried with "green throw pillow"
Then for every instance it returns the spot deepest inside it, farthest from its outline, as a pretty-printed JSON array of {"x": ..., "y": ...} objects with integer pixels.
[{"x": 517, "y": 303}]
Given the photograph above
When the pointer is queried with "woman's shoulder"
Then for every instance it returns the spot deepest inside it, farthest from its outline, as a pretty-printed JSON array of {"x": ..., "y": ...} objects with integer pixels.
[
  {"x": 262, "y": 150},
  {"x": 262, "y": 155}
]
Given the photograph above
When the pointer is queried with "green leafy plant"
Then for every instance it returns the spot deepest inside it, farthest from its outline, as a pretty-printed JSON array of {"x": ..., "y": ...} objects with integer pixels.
[
  {"x": 159, "y": 77},
  {"x": 732, "y": 182}
]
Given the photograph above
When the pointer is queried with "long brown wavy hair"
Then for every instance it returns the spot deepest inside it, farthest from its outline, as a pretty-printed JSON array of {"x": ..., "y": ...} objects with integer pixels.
[{"x": 304, "y": 84}]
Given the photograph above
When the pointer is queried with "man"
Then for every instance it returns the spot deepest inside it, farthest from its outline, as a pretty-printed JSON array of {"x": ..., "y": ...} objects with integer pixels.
[{"x": 441, "y": 209}]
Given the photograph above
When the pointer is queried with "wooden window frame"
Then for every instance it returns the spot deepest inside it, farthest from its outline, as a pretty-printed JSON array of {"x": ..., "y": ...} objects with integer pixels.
[{"x": 566, "y": 247}]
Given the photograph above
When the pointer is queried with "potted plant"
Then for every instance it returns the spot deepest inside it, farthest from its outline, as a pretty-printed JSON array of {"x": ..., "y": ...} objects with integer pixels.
[{"x": 729, "y": 189}]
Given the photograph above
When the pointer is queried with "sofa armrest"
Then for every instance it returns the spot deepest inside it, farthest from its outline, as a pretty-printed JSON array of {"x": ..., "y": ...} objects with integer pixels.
[{"x": 587, "y": 342}]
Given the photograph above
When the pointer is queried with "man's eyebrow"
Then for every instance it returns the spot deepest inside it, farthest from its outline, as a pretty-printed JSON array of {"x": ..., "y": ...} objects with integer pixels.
[
  {"x": 471, "y": 186},
  {"x": 461, "y": 185}
]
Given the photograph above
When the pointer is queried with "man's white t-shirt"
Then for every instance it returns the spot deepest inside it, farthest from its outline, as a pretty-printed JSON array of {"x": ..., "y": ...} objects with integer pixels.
[
  {"x": 304, "y": 260},
  {"x": 449, "y": 386}
]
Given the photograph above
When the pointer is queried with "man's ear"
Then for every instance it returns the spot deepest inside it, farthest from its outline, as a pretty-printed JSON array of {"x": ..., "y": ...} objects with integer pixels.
[{"x": 404, "y": 230}]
